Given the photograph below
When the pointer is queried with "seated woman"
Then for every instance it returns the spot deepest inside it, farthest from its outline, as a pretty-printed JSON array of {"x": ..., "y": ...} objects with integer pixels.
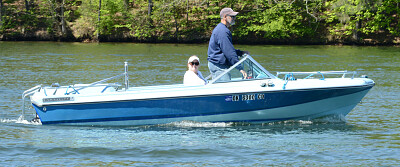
[{"x": 193, "y": 75}]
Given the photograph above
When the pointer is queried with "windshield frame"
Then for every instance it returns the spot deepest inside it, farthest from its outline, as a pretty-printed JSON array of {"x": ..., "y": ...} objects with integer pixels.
[{"x": 247, "y": 57}]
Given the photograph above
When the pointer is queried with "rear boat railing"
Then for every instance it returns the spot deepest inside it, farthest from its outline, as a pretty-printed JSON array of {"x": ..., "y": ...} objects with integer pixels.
[
  {"x": 38, "y": 87},
  {"x": 107, "y": 79},
  {"x": 27, "y": 93},
  {"x": 94, "y": 84},
  {"x": 289, "y": 76}
]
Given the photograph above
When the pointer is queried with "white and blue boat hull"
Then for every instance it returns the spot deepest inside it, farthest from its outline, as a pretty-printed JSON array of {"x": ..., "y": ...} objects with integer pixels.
[{"x": 260, "y": 107}]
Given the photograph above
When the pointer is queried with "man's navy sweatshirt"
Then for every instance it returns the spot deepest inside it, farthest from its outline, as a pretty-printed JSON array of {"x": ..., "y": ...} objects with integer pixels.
[{"x": 220, "y": 48}]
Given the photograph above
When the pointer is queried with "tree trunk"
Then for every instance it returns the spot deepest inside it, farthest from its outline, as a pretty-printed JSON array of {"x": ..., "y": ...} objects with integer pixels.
[
  {"x": 126, "y": 4},
  {"x": 98, "y": 21},
  {"x": 356, "y": 37},
  {"x": 208, "y": 13},
  {"x": 149, "y": 13},
  {"x": 1, "y": 13},
  {"x": 187, "y": 12},
  {"x": 150, "y": 7},
  {"x": 27, "y": 5},
  {"x": 176, "y": 22},
  {"x": 63, "y": 29}
]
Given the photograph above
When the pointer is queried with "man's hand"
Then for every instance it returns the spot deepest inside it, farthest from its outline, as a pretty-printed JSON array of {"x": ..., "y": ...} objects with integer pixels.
[
  {"x": 244, "y": 74},
  {"x": 246, "y": 52}
]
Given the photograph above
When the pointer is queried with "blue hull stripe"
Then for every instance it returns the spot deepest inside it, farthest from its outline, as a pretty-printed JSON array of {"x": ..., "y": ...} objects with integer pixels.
[{"x": 164, "y": 117}]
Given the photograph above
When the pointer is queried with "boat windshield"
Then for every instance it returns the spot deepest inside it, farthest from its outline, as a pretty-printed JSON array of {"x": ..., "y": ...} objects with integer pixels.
[{"x": 253, "y": 70}]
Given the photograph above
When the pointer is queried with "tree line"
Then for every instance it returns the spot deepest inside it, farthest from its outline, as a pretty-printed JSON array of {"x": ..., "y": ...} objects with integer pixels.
[{"x": 188, "y": 21}]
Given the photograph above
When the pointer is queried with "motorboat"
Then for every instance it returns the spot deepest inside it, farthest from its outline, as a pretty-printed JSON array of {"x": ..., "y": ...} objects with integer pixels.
[{"x": 260, "y": 97}]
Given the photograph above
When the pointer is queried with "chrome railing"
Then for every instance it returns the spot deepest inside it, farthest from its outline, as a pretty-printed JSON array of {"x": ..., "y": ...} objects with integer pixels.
[
  {"x": 290, "y": 75},
  {"x": 319, "y": 72},
  {"x": 107, "y": 79},
  {"x": 78, "y": 88},
  {"x": 27, "y": 93}
]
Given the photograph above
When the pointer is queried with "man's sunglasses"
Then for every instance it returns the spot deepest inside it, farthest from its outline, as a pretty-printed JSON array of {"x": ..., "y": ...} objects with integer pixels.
[{"x": 195, "y": 63}]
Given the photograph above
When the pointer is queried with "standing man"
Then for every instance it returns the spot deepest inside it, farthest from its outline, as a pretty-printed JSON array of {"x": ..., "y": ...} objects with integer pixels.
[{"x": 221, "y": 53}]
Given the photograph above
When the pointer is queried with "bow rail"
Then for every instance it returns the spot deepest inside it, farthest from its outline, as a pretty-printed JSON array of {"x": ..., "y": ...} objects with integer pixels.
[
  {"x": 289, "y": 76},
  {"x": 319, "y": 72}
]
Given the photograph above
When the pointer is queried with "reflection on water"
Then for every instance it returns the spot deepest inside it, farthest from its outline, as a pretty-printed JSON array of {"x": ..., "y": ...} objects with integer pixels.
[
  {"x": 202, "y": 143},
  {"x": 368, "y": 136}
]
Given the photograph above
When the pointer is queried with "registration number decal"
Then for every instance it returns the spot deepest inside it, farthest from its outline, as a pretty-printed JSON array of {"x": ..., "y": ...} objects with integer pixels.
[
  {"x": 245, "y": 97},
  {"x": 57, "y": 99}
]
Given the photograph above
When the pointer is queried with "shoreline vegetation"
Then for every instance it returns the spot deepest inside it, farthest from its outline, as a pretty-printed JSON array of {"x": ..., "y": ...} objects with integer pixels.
[{"x": 335, "y": 22}]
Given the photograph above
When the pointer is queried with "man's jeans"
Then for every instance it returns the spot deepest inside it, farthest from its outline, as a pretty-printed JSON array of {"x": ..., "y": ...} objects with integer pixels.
[{"x": 217, "y": 69}]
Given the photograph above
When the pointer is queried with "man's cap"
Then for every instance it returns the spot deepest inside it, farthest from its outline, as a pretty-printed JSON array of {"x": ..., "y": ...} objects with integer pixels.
[
  {"x": 227, "y": 11},
  {"x": 193, "y": 58}
]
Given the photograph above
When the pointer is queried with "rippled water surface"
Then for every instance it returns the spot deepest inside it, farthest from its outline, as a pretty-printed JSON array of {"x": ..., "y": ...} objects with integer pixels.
[{"x": 368, "y": 136}]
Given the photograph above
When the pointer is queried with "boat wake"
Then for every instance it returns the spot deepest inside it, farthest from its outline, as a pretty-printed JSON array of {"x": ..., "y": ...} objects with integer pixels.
[
  {"x": 332, "y": 119},
  {"x": 194, "y": 124},
  {"x": 20, "y": 120}
]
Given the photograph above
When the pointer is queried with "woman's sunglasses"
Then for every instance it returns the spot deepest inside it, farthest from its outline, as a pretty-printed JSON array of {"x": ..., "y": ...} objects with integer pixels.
[{"x": 195, "y": 63}]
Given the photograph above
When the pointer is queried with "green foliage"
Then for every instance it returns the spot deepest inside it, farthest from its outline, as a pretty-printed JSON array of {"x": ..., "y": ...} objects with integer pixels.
[
  {"x": 193, "y": 20},
  {"x": 114, "y": 17},
  {"x": 282, "y": 20},
  {"x": 347, "y": 17},
  {"x": 383, "y": 17}
]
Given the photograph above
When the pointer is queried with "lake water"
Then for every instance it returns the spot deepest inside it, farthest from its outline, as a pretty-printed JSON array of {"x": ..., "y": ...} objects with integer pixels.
[{"x": 368, "y": 136}]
